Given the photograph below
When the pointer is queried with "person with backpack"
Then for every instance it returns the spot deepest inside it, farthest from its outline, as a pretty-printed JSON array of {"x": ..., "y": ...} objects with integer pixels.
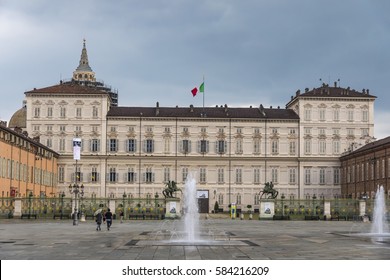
[
  {"x": 99, "y": 219},
  {"x": 108, "y": 216}
]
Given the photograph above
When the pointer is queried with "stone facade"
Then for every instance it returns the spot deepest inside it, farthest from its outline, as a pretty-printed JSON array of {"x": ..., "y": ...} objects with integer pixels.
[{"x": 232, "y": 151}]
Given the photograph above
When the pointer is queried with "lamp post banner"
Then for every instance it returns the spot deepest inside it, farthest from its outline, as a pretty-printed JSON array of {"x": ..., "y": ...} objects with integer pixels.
[{"x": 76, "y": 148}]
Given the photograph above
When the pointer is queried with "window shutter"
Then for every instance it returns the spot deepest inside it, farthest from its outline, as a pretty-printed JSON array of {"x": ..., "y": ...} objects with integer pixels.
[
  {"x": 216, "y": 147},
  {"x": 153, "y": 177},
  {"x": 181, "y": 146},
  {"x": 189, "y": 146},
  {"x": 199, "y": 146},
  {"x": 127, "y": 145},
  {"x": 135, "y": 145},
  {"x": 225, "y": 147},
  {"x": 143, "y": 177}
]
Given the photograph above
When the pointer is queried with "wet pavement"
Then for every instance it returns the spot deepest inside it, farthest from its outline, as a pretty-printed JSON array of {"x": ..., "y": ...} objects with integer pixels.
[{"x": 222, "y": 239}]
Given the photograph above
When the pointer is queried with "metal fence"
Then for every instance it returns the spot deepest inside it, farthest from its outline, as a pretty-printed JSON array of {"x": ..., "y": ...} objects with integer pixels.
[{"x": 62, "y": 207}]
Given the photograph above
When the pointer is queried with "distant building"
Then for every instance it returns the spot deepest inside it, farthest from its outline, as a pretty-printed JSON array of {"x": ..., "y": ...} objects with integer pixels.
[
  {"x": 26, "y": 166},
  {"x": 366, "y": 168},
  {"x": 232, "y": 151}
]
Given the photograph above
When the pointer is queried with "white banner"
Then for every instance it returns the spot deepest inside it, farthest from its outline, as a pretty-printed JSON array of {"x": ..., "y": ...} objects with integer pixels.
[{"x": 76, "y": 148}]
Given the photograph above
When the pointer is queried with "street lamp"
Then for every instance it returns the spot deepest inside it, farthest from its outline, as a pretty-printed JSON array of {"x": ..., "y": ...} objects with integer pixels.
[
  {"x": 282, "y": 197},
  {"x": 124, "y": 203},
  {"x": 77, "y": 191},
  {"x": 30, "y": 196},
  {"x": 156, "y": 202},
  {"x": 314, "y": 210},
  {"x": 62, "y": 195}
]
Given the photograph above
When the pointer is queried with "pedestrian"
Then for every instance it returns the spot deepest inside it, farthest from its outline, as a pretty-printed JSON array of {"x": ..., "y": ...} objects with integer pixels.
[
  {"x": 99, "y": 218},
  {"x": 121, "y": 214},
  {"x": 108, "y": 216}
]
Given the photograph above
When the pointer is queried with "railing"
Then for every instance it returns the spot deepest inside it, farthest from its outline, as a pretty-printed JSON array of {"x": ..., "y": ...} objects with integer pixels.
[
  {"x": 151, "y": 208},
  {"x": 61, "y": 207}
]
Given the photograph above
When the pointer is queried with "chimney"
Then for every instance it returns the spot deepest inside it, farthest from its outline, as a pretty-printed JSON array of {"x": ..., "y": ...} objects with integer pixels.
[
  {"x": 191, "y": 108},
  {"x": 157, "y": 108},
  {"x": 226, "y": 108}
]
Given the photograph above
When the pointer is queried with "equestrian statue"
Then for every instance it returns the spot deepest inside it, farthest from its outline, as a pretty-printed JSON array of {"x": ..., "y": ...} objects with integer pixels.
[
  {"x": 268, "y": 191},
  {"x": 170, "y": 189}
]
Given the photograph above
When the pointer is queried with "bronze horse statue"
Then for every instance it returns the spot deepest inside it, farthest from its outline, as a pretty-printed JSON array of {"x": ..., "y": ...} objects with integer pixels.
[
  {"x": 269, "y": 191},
  {"x": 170, "y": 189}
]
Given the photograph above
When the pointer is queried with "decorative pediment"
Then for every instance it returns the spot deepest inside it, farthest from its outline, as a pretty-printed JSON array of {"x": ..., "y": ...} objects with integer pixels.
[
  {"x": 95, "y": 103},
  {"x": 37, "y": 102},
  {"x": 50, "y": 102},
  {"x": 63, "y": 103},
  {"x": 322, "y": 105},
  {"x": 350, "y": 106},
  {"x": 78, "y": 102}
]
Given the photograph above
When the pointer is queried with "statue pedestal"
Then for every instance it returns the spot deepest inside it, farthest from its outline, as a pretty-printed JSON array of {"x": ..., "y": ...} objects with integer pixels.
[
  {"x": 327, "y": 211},
  {"x": 173, "y": 208},
  {"x": 267, "y": 209},
  {"x": 18, "y": 208}
]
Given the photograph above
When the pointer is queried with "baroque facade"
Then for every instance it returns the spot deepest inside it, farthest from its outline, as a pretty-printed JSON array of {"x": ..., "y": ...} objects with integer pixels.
[{"x": 232, "y": 151}]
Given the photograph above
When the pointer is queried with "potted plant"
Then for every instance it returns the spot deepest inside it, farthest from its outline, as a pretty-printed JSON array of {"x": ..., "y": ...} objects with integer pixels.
[{"x": 216, "y": 207}]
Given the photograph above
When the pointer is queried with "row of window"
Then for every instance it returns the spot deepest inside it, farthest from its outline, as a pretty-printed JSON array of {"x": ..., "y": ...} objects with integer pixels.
[
  {"x": 202, "y": 146},
  {"x": 336, "y": 132},
  {"x": 323, "y": 114},
  {"x": 62, "y": 113},
  {"x": 326, "y": 175},
  {"x": 15, "y": 170},
  {"x": 375, "y": 169}
]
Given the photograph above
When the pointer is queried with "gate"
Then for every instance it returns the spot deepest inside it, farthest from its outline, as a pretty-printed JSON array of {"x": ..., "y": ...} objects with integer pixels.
[{"x": 203, "y": 201}]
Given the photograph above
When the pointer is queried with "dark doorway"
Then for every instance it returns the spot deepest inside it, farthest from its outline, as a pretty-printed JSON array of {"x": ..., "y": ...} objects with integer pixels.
[{"x": 203, "y": 201}]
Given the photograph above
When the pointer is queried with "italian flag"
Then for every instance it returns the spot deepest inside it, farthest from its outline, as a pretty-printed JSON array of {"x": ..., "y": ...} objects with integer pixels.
[{"x": 194, "y": 91}]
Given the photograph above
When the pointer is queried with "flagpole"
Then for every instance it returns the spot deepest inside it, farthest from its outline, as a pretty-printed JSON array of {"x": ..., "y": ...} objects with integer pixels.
[{"x": 203, "y": 95}]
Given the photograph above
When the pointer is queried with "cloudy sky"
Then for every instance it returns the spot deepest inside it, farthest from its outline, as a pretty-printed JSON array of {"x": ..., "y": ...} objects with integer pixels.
[{"x": 250, "y": 52}]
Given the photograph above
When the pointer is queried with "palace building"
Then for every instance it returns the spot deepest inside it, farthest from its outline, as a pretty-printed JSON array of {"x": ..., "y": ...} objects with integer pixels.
[
  {"x": 26, "y": 166},
  {"x": 231, "y": 151}
]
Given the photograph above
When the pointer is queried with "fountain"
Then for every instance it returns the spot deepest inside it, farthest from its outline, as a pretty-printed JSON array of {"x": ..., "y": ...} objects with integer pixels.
[
  {"x": 187, "y": 231},
  {"x": 191, "y": 215},
  {"x": 379, "y": 225},
  {"x": 378, "y": 232}
]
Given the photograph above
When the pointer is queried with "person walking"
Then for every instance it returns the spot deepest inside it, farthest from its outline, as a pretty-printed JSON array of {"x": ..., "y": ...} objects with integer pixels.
[
  {"x": 121, "y": 214},
  {"x": 99, "y": 219},
  {"x": 108, "y": 216}
]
